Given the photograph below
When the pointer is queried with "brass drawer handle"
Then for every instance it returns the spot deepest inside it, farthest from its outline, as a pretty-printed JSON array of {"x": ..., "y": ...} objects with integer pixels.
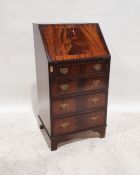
[
  {"x": 95, "y": 100},
  {"x": 94, "y": 118},
  {"x": 96, "y": 82},
  {"x": 64, "y": 106},
  {"x": 64, "y": 125},
  {"x": 64, "y": 87},
  {"x": 97, "y": 67},
  {"x": 64, "y": 70}
]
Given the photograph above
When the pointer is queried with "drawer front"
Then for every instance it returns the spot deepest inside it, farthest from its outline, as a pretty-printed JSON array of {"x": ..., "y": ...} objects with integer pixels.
[
  {"x": 79, "y": 69},
  {"x": 78, "y": 103},
  {"x": 64, "y": 87},
  {"x": 78, "y": 122}
]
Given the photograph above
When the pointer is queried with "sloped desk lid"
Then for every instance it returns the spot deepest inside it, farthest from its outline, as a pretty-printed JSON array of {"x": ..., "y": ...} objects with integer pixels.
[{"x": 73, "y": 41}]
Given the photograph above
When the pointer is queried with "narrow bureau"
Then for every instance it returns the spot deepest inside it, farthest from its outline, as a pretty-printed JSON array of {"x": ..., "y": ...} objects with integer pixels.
[{"x": 72, "y": 69}]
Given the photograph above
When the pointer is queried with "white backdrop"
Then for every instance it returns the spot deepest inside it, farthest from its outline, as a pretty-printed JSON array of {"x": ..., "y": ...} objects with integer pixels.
[
  {"x": 22, "y": 147},
  {"x": 119, "y": 21}
]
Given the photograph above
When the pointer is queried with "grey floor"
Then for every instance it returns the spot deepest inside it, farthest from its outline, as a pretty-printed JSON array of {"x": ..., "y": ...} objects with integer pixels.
[{"x": 23, "y": 150}]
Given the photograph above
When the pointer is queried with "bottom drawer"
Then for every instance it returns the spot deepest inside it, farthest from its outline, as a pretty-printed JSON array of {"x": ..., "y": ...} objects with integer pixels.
[{"x": 78, "y": 122}]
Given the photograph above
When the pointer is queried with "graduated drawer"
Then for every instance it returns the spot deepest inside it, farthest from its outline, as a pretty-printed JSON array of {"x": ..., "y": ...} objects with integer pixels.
[
  {"x": 64, "y": 87},
  {"x": 79, "y": 69},
  {"x": 78, "y": 103},
  {"x": 78, "y": 122}
]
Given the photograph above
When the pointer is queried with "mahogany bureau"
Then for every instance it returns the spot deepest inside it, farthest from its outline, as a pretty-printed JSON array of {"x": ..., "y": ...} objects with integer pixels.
[{"x": 72, "y": 68}]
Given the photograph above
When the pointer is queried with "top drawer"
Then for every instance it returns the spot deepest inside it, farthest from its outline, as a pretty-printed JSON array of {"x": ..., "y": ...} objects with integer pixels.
[{"x": 79, "y": 69}]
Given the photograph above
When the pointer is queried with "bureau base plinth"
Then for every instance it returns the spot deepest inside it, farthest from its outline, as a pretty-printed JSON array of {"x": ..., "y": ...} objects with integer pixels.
[
  {"x": 101, "y": 130},
  {"x": 41, "y": 126},
  {"x": 54, "y": 142}
]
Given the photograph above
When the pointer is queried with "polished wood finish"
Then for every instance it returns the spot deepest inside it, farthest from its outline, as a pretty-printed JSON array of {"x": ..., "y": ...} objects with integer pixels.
[
  {"x": 61, "y": 87},
  {"x": 74, "y": 41},
  {"x": 78, "y": 122},
  {"x": 80, "y": 69},
  {"x": 78, "y": 103},
  {"x": 42, "y": 80},
  {"x": 72, "y": 67}
]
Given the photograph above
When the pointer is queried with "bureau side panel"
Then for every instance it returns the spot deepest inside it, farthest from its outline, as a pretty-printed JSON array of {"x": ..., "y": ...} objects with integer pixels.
[{"x": 42, "y": 79}]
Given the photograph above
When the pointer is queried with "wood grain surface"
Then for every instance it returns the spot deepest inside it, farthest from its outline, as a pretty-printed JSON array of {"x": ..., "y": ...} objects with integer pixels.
[
  {"x": 81, "y": 103},
  {"x": 73, "y": 41},
  {"x": 78, "y": 122},
  {"x": 63, "y": 87}
]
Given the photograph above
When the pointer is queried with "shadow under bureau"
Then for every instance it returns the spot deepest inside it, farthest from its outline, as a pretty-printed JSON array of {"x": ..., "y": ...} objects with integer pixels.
[{"x": 72, "y": 68}]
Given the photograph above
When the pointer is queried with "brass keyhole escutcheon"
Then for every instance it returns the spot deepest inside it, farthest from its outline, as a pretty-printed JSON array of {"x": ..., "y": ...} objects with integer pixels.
[
  {"x": 96, "y": 82},
  {"x": 64, "y": 106},
  {"x": 94, "y": 118},
  {"x": 64, "y": 70},
  {"x": 64, "y": 87},
  {"x": 94, "y": 100},
  {"x": 97, "y": 67},
  {"x": 64, "y": 125}
]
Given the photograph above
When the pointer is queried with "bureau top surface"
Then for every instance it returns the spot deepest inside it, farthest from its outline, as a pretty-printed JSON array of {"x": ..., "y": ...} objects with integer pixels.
[{"x": 64, "y": 42}]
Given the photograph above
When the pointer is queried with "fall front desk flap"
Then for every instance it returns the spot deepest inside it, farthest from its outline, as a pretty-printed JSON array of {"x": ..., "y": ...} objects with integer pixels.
[{"x": 73, "y": 41}]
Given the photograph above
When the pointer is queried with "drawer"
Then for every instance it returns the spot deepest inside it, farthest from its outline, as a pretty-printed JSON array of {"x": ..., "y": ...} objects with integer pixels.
[
  {"x": 78, "y": 103},
  {"x": 78, "y": 122},
  {"x": 64, "y": 87},
  {"x": 79, "y": 69}
]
